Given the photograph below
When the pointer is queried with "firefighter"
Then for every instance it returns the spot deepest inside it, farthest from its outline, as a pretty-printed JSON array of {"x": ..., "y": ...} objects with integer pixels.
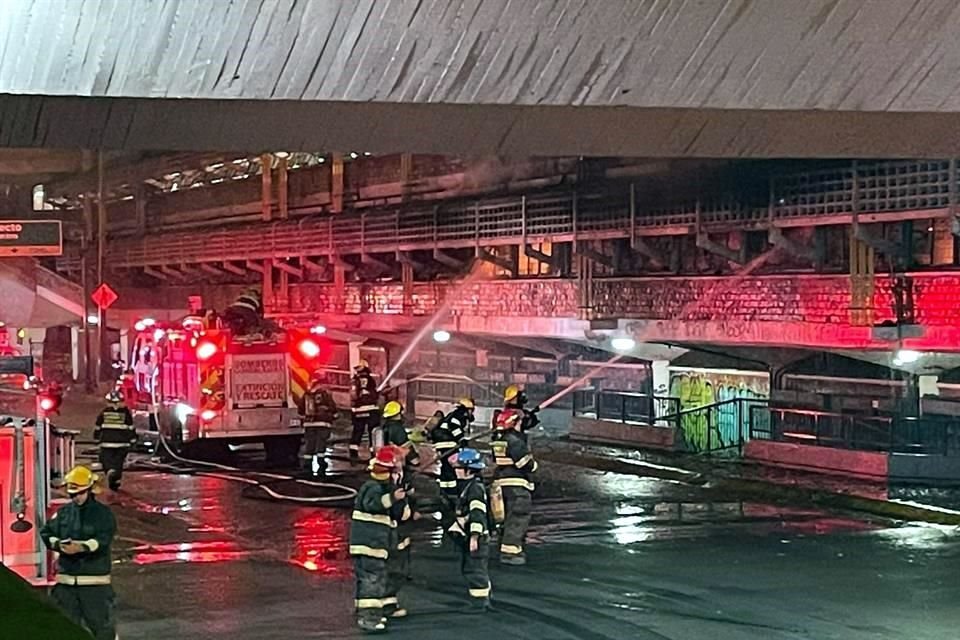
[
  {"x": 244, "y": 314},
  {"x": 81, "y": 531},
  {"x": 448, "y": 438},
  {"x": 320, "y": 411},
  {"x": 472, "y": 528},
  {"x": 364, "y": 397},
  {"x": 515, "y": 398},
  {"x": 115, "y": 434},
  {"x": 398, "y": 563},
  {"x": 372, "y": 535},
  {"x": 395, "y": 435},
  {"x": 514, "y": 477}
]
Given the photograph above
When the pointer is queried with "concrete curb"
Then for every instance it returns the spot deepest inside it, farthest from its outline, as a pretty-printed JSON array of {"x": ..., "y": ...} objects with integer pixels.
[{"x": 759, "y": 489}]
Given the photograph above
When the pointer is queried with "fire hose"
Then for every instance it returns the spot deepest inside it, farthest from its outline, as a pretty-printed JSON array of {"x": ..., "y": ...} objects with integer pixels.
[{"x": 225, "y": 472}]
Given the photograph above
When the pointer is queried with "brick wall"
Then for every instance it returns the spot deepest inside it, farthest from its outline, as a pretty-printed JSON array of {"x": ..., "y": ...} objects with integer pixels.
[{"x": 797, "y": 298}]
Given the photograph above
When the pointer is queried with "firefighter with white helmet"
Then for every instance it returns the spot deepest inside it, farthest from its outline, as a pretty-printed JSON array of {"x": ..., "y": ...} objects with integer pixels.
[
  {"x": 81, "y": 532},
  {"x": 115, "y": 434},
  {"x": 364, "y": 399}
]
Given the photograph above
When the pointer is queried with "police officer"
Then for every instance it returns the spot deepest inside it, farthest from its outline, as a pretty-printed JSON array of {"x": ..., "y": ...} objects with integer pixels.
[
  {"x": 372, "y": 537},
  {"x": 320, "y": 410},
  {"x": 81, "y": 531},
  {"x": 472, "y": 529},
  {"x": 364, "y": 398},
  {"x": 115, "y": 434},
  {"x": 514, "y": 477}
]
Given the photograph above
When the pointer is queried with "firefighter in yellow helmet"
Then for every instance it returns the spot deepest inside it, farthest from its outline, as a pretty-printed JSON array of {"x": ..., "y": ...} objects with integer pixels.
[
  {"x": 81, "y": 531},
  {"x": 396, "y": 438},
  {"x": 364, "y": 399},
  {"x": 515, "y": 398}
]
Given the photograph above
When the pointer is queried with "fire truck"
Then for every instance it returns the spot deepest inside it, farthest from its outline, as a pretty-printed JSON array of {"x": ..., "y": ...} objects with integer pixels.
[{"x": 209, "y": 391}]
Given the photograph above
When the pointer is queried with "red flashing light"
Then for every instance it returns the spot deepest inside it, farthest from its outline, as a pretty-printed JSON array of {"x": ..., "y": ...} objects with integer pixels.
[
  {"x": 47, "y": 403},
  {"x": 309, "y": 348},
  {"x": 208, "y": 415},
  {"x": 206, "y": 350}
]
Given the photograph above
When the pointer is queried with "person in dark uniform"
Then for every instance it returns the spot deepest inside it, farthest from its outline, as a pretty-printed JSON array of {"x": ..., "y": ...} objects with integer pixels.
[
  {"x": 364, "y": 398},
  {"x": 516, "y": 399},
  {"x": 81, "y": 531},
  {"x": 115, "y": 434},
  {"x": 395, "y": 436},
  {"x": 372, "y": 537},
  {"x": 514, "y": 476},
  {"x": 472, "y": 529},
  {"x": 245, "y": 314},
  {"x": 320, "y": 411},
  {"x": 448, "y": 439}
]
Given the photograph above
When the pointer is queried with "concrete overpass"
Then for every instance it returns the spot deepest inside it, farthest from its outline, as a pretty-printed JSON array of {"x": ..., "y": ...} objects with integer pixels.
[{"x": 773, "y": 78}]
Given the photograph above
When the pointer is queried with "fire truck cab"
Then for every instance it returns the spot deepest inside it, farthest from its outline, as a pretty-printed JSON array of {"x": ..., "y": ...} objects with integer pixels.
[{"x": 208, "y": 390}]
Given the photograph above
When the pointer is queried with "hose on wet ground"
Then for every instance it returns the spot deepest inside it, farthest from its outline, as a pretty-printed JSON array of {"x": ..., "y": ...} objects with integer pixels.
[{"x": 341, "y": 493}]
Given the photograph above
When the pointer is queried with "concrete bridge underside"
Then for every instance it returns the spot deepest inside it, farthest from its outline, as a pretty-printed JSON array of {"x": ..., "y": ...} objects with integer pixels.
[{"x": 774, "y": 78}]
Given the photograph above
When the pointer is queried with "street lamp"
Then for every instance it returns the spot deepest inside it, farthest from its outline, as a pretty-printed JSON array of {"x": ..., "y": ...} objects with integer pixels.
[
  {"x": 93, "y": 319},
  {"x": 623, "y": 343},
  {"x": 441, "y": 336}
]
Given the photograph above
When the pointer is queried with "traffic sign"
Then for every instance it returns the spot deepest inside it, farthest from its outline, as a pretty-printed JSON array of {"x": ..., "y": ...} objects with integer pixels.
[
  {"x": 31, "y": 238},
  {"x": 104, "y": 296}
]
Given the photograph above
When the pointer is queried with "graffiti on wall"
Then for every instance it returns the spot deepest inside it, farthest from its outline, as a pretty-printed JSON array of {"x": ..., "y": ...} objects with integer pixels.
[{"x": 723, "y": 424}]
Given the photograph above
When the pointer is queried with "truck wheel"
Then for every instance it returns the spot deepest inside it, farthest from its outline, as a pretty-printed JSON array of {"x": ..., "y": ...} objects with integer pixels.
[{"x": 282, "y": 451}]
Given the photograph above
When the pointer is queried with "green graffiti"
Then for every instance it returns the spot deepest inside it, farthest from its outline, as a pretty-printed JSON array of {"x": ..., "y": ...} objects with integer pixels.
[{"x": 719, "y": 426}]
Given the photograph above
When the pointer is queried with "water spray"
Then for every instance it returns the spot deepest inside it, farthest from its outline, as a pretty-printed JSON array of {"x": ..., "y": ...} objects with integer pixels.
[
  {"x": 451, "y": 298},
  {"x": 735, "y": 279}
]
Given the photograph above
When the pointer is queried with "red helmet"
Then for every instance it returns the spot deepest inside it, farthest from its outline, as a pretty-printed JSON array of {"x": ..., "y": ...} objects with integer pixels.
[{"x": 385, "y": 459}]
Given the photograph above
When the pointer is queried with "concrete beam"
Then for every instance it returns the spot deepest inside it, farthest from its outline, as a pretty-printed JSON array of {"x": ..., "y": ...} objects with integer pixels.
[
  {"x": 338, "y": 261},
  {"x": 371, "y": 260},
  {"x": 704, "y": 242},
  {"x": 446, "y": 259},
  {"x": 776, "y": 237},
  {"x": 234, "y": 269},
  {"x": 595, "y": 256},
  {"x": 256, "y": 266},
  {"x": 406, "y": 257},
  {"x": 494, "y": 259},
  {"x": 153, "y": 273},
  {"x": 212, "y": 270},
  {"x": 309, "y": 264},
  {"x": 540, "y": 256},
  {"x": 284, "y": 266}
]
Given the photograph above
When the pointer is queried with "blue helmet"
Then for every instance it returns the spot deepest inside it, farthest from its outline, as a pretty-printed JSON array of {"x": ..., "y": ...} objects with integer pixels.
[{"x": 470, "y": 459}]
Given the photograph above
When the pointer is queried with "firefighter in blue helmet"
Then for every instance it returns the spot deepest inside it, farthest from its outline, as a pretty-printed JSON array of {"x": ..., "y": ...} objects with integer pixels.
[{"x": 471, "y": 528}]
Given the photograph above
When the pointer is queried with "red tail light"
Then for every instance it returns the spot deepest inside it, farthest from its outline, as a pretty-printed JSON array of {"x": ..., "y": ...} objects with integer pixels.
[
  {"x": 309, "y": 348},
  {"x": 206, "y": 350},
  {"x": 208, "y": 415}
]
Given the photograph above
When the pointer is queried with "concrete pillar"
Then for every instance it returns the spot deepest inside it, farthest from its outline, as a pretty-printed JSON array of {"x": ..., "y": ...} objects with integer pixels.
[
  {"x": 928, "y": 386},
  {"x": 406, "y": 277},
  {"x": 339, "y": 288},
  {"x": 661, "y": 377},
  {"x": 353, "y": 348}
]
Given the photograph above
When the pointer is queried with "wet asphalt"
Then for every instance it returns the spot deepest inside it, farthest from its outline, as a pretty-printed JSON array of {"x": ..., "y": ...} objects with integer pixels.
[{"x": 611, "y": 556}]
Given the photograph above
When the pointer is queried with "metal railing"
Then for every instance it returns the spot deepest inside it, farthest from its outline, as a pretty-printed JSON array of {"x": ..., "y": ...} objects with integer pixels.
[
  {"x": 819, "y": 197},
  {"x": 929, "y": 435},
  {"x": 627, "y": 407},
  {"x": 719, "y": 427}
]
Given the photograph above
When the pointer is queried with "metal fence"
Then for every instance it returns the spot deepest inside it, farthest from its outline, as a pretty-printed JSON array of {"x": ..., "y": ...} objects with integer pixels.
[
  {"x": 928, "y": 435},
  {"x": 628, "y": 407},
  {"x": 719, "y": 427},
  {"x": 927, "y": 187}
]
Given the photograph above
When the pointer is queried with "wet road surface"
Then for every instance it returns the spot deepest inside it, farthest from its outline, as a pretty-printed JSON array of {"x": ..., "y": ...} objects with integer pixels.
[{"x": 611, "y": 556}]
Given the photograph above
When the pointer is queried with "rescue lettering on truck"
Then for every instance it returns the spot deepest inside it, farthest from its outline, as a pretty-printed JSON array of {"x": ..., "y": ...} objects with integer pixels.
[{"x": 258, "y": 379}]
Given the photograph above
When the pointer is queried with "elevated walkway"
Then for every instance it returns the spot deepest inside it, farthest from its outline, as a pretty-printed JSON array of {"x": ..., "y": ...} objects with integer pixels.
[{"x": 33, "y": 296}]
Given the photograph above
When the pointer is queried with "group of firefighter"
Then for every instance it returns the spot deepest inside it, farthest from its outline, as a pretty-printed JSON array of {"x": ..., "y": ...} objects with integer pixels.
[{"x": 386, "y": 504}]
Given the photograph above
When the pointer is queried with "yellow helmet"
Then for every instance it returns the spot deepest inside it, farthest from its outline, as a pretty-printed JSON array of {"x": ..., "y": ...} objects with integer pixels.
[
  {"x": 360, "y": 366},
  {"x": 392, "y": 409},
  {"x": 79, "y": 479},
  {"x": 466, "y": 403},
  {"x": 511, "y": 393}
]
